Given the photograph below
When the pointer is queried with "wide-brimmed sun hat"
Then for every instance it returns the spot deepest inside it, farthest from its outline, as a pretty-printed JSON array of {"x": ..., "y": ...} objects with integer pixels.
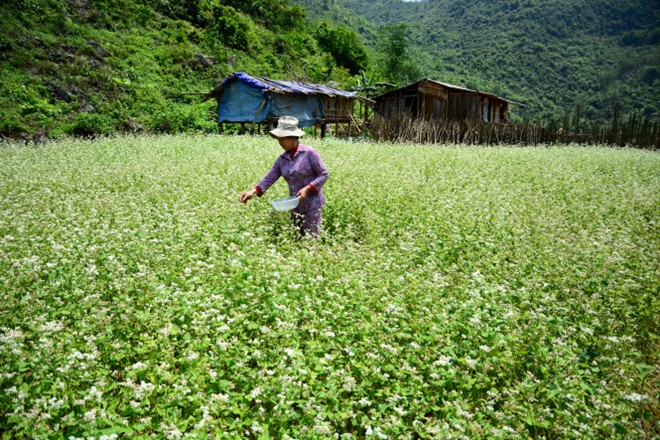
[{"x": 287, "y": 126}]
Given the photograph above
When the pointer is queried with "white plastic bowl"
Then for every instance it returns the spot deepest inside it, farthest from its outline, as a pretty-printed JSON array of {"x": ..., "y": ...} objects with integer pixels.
[{"x": 285, "y": 204}]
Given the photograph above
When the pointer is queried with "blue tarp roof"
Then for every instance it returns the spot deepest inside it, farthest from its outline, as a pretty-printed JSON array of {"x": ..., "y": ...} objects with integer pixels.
[
  {"x": 248, "y": 98},
  {"x": 277, "y": 86}
]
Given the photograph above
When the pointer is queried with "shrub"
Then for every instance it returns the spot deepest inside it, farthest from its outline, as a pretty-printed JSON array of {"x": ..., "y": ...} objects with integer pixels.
[
  {"x": 345, "y": 46},
  {"x": 90, "y": 125},
  {"x": 10, "y": 125},
  {"x": 233, "y": 27}
]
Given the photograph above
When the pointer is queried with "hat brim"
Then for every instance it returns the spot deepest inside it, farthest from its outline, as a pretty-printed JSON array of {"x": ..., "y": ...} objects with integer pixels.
[{"x": 278, "y": 133}]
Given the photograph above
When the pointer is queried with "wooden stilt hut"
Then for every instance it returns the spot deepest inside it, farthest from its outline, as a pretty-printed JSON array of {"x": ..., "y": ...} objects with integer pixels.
[
  {"x": 247, "y": 99},
  {"x": 430, "y": 99}
]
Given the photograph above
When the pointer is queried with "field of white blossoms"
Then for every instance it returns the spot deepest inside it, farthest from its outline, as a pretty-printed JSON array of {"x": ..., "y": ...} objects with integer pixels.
[{"x": 457, "y": 292}]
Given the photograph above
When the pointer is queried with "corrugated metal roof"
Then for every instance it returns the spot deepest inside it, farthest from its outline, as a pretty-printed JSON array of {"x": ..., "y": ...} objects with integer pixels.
[
  {"x": 277, "y": 86},
  {"x": 453, "y": 87},
  {"x": 450, "y": 86}
]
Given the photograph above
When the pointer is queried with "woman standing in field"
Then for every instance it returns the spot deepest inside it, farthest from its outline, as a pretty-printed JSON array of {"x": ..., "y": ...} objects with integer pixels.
[{"x": 302, "y": 168}]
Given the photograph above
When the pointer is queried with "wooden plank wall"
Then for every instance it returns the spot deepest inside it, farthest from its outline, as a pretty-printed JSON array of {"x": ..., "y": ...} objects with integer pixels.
[
  {"x": 338, "y": 109},
  {"x": 430, "y": 100}
]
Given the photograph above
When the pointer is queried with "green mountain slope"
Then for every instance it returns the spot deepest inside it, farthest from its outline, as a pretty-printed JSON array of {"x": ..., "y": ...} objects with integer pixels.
[
  {"x": 88, "y": 67},
  {"x": 550, "y": 54}
]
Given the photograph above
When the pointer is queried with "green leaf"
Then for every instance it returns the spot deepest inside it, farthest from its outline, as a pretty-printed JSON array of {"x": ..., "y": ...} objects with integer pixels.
[
  {"x": 645, "y": 369},
  {"x": 118, "y": 430},
  {"x": 264, "y": 435}
]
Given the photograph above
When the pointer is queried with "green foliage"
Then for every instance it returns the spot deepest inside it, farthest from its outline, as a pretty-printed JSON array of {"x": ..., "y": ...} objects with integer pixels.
[
  {"x": 196, "y": 12},
  {"x": 398, "y": 61},
  {"x": 90, "y": 125},
  {"x": 10, "y": 125},
  {"x": 140, "y": 299},
  {"x": 641, "y": 37},
  {"x": 234, "y": 28},
  {"x": 126, "y": 65},
  {"x": 548, "y": 55},
  {"x": 345, "y": 46},
  {"x": 279, "y": 14},
  {"x": 61, "y": 58},
  {"x": 181, "y": 118}
]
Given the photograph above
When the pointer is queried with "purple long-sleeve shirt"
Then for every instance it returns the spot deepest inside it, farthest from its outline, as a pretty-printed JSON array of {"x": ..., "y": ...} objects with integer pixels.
[{"x": 305, "y": 168}]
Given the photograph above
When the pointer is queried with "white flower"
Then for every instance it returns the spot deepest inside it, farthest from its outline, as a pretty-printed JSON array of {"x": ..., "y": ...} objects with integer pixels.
[
  {"x": 322, "y": 429},
  {"x": 374, "y": 433},
  {"x": 51, "y": 327},
  {"x": 143, "y": 389},
  {"x": 635, "y": 398},
  {"x": 94, "y": 394},
  {"x": 92, "y": 270},
  {"x": 587, "y": 330},
  {"x": 165, "y": 331},
  {"x": 222, "y": 398},
  {"x": 349, "y": 383},
  {"x": 90, "y": 415},
  {"x": 54, "y": 403},
  {"x": 388, "y": 347},
  {"x": 172, "y": 432},
  {"x": 256, "y": 392},
  {"x": 443, "y": 361}
]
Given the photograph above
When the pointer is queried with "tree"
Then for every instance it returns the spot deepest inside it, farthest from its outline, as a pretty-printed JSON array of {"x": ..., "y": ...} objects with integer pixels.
[
  {"x": 273, "y": 13},
  {"x": 396, "y": 54},
  {"x": 345, "y": 47}
]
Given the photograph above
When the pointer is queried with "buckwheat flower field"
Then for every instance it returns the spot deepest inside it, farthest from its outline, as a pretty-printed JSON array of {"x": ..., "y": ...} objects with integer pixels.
[{"x": 456, "y": 292}]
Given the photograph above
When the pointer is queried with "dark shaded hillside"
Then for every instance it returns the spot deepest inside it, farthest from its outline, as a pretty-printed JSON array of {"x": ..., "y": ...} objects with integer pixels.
[{"x": 551, "y": 55}]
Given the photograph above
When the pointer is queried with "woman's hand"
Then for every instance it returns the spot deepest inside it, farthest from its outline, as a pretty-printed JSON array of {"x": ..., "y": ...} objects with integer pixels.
[
  {"x": 247, "y": 195},
  {"x": 303, "y": 192}
]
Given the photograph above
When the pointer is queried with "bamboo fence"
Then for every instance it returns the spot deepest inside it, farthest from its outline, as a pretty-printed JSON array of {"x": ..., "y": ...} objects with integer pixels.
[{"x": 635, "y": 132}]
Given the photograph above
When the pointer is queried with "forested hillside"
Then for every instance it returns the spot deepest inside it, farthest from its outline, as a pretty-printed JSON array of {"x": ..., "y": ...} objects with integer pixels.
[
  {"x": 86, "y": 67},
  {"x": 550, "y": 54}
]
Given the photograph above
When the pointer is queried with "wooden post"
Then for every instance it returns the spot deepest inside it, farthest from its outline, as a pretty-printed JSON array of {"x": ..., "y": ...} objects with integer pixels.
[{"x": 220, "y": 128}]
